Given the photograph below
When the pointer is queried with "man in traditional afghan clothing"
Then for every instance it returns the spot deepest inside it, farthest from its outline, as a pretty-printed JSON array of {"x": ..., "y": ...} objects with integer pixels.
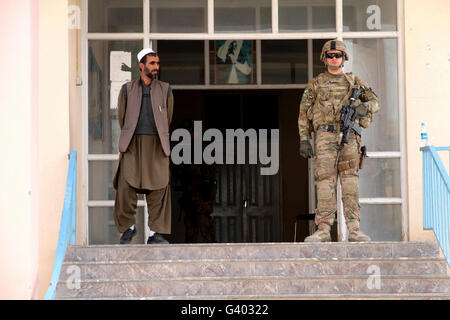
[{"x": 145, "y": 108}]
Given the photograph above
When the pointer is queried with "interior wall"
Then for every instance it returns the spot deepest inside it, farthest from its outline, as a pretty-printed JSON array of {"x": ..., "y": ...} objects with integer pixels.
[{"x": 294, "y": 168}]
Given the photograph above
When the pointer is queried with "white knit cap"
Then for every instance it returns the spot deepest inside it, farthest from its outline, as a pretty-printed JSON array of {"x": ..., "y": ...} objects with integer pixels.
[{"x": 143, "y": 53}]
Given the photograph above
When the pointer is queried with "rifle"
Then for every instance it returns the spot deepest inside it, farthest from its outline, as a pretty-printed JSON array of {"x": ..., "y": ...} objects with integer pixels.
[{"x": 347, "y": 117}]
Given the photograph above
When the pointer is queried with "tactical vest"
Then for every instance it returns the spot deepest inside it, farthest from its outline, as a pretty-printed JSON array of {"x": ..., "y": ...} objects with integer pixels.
[{"x": 331, "y": 95}]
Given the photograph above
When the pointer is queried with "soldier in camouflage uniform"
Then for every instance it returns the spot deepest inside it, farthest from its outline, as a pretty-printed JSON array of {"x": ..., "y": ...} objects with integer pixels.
[{"x": 320, "y": 108}]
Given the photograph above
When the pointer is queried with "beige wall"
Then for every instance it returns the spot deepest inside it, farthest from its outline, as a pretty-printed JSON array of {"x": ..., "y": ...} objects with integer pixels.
[
  {"x": 34, "y": 132},
  {"x": 19, "y": 189},
  {"x": 53, "y": 129},
  {"x": 427, "y": 80}
]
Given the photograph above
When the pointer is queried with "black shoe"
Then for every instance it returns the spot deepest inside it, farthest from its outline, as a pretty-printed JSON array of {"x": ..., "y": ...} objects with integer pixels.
[
  {"x": 127, "y": 236},
  {"x": 157, "y": 239}
]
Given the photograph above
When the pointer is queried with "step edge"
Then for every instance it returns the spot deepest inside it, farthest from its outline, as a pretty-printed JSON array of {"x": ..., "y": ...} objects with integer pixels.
[
  {"x": 278, "y": 296},
  {"x": 245, "y": 244},
  {"x": 281, "y": 278},
  {"x": 304, "y": 260}
]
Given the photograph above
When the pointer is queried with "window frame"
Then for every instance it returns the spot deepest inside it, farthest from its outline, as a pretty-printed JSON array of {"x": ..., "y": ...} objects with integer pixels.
[{"x": 148, "y": 38}]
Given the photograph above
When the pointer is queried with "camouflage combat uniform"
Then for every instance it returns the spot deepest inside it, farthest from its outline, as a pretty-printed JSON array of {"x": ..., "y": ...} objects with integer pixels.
[{"x": 319, "y": 112}]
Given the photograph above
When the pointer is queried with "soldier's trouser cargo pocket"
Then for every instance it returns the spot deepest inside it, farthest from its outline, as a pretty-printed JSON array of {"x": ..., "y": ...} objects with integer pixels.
[{"x": 326, "y": 177}]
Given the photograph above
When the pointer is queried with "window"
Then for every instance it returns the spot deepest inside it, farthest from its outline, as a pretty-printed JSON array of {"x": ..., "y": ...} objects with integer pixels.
[
  {"x": 242, "y": 16},
  {"x": 115, "y": 16},
  {"x": 307, "y": 15},
  {"x": 178, "y": 16},
  {"x": 110, "y": 64},
  {"x": 370, "y": 15},
  {"x": 284, "y": 61},
  {"x": 182, "y": 62}
]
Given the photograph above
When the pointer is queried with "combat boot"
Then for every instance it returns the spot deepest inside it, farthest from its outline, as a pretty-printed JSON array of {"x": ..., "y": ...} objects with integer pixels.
[
  {"x": 354, "y": 232},
  {"x": 321, "y": 235}
]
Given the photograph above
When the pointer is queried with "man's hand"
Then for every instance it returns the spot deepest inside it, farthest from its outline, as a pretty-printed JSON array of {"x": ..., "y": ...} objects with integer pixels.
[
  {"x": 361, "y": 108},
  {"x": 306, "y": 150}
]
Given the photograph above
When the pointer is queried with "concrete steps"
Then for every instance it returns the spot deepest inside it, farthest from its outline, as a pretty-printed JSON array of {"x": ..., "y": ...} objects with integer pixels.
[{"x": 377, "y": 270}]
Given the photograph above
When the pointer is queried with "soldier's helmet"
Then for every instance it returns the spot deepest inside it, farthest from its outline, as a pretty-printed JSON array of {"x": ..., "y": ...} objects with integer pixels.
[{"x": 334, "y": 45}]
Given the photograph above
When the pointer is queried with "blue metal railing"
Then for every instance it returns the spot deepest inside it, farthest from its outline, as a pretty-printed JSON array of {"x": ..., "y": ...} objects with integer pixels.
[
  {"x": 67, "y": 229},
  {"x": 436, "y": 197}
]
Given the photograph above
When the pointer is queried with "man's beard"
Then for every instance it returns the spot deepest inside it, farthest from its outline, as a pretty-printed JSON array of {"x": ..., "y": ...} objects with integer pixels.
[{"x": 149, "y": 74}]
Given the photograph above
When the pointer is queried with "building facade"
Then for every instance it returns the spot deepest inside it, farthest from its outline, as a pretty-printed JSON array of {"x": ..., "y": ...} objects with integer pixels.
[{"x": 79, "y": 53}]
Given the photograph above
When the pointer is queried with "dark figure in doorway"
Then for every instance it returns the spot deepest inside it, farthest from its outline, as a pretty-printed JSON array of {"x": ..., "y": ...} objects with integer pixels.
[
  {"x": 197, "y": 202},
  {"x": 199, "y": 187}
]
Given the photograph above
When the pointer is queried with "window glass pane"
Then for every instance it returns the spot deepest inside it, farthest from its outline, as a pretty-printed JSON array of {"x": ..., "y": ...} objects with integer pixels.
[
  {"x": 178, "y": 16},
  {"x": 242, "y": 16},
  {"x": 232, "y": 62},
  {"x": 101, "y": 174},
  {"x": 284, "y": 61},
  {"x": 115, "y": 16},
  {"x": 370, "y": 15},
  {"x": 307, "y": 15},
  {"x": 382, "y": 222},
  {"x": 380, "y": 178},
  {"x": 182, "y": 62},
  {"x": 102, "y": 229},
  {"x": 318, "y": 65},
  {"x": 375, "y": 62},
  {"x": 111, "y": 63}
]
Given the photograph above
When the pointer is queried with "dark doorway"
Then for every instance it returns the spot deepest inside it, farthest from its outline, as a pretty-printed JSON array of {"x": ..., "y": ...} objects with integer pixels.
[{"x": 248, "y": 207}]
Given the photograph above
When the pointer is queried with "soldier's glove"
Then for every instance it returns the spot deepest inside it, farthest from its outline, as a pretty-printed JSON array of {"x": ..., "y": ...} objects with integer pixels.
[
  {"x": 361, "y": 108},
  {"x": 306, "y": 150}
]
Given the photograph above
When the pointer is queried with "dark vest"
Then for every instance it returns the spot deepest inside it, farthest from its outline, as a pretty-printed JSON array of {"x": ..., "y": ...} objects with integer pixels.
[
  {"x": 146, "y": 123},
  {"x": 158, "y": 93}
]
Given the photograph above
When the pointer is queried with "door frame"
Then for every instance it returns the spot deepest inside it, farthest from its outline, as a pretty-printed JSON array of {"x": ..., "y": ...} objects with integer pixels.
[{"x": 146, "y": 36}]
